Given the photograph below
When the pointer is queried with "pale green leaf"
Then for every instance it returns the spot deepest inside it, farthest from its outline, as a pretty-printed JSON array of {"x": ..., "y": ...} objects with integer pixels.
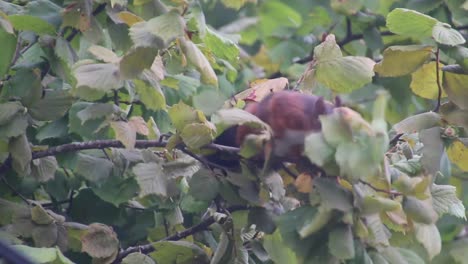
[
  {"x": 53, "y": 105},
  {"x": 139, "y": 258},
  {"x": 278, "y": 250},
  {"x": 103, "y": 77},
  {"x": 455, "y": 86},
  {"x": 134, "y": 62},
  {"x": 43, "y": 255},
  {"x": 410, "y": 23},
  {"x": 92, "y": 168},
  {"x": 443, "y": 33},
  {"x": 8, "y": 50},
  {"x": 199, "y": 61},
  {"x": 445, "y": 201},
  {"x": 124, "y": 133},
  {"x": 230, "y": 117},
  {"x": 377, "y": 204},
  {"x": 333, "y": 195},
  {"x": 345, "y": 74},
  {"x": 236, "y": 4},
  {"x": 317, "y": 223},
  {"x": 327, "y": 50},
  {"x": 8, "y": 110},
  {"x": 180, "y": 252},
  {"x": 402, "y": 60},
  {"x": 104, "y": 54},
  {"x": 43, "y": 169},
  {"x": 96, "y": 111},
  {"x": 21, "y": 154},
  {"x": 198, "y": 184},
  {"x": 222, "y": 47},
  {"x": 377, "y": 230},
  {"x": 15, "y": 127},
  {"x": 421, "y": 211},
  {"x": 197, "y": 135},
  {"x": 158, "y": 32},
  {"x": 182, "y": 115},
  {"x": 31, "y": 23},
  {"x": 151, "y": 178},
  {"x": 429, "y": 237},
  {"x": 317, "y": 149},
  {"x": 151, "y": 96},
  {"x": 340, "y": 242},
  {"x": 278, "y": 19},
  {"x": 40, "y": 216}
]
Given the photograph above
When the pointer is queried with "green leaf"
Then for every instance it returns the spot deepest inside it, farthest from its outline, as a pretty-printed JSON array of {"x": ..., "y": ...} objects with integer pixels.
[
  {"x": 340, "y": 242},
  {"x": 8, "y": 50},
  {"x": 225, "y": 118},
  {"x": 410, "y": 256},
  {"x": 235, "y": 4},
  {"x": 445, "y": 201},
  {"x": 151, "y": 96},
  {"x": 319, "y": 221},
  {"x": 402, "y": 60},
  {"x": 40, "y": 216},
  {"x": 317, "y": 149},
  {"x": 93, "y": 168},
  {"x": 198, "y": 135},
  {"x": 332, "y": 195},
  {"x": 278, "y": 250},
  {"x": 134, "y": 62},
  {"x": 137, "y": 257},
  {"x": 158, "y": 32},
  {"x": 100, "y": 241},
  {"x": 349, "y": 7},
  {"x": 455, "y": 86},
  {"x": 377, "y": 204},
  {"x": 31, "y": 23},
  {"x": 43, "y": 169},
  {"x": 278, "y": 18},
  {"x": 96, "y": 111},
  {"x": 180, "y": 252},
  {"x": 418, "y": 122},
  {"x": 151, "y": 179},
  {"x": 24, "y": 85},
  {"x": 102, "y": 76},
  {"x": 429, "y": 237},
  {"x": 21, "y": 154},
  {"x": 104, "y": 54},
  {"x": 222, "y": 47},
  {"x": 341, "y": 74},
  {"x": 90, "y": 129},
  {"x": 420, "y": 211},
  {"x": 15, "y": 127},
  {"x": 182, "y": 115},
  {"x": 410, "y": 23},
  {"x": 117, "y": 190},
  {"x": 43, "y": 255},
  {"x": 378, "y": 232},
  {"x": 443, "y": 33},
  {"x": 53, "y": 105},
  {"x": 8, "y": 110},
  {"x": 199, "y": 61},
  {"x": 198, "y": 183}
]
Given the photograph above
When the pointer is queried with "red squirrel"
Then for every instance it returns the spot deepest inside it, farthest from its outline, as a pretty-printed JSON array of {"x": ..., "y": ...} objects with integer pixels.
[{"x": 291, "y": 116}]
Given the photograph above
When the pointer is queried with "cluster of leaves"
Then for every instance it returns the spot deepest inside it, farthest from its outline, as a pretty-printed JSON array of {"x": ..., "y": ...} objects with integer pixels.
[{"x": 108, "y": 108}]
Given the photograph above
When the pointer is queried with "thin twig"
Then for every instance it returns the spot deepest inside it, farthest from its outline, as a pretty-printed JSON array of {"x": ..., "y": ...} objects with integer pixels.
[
  {"x": 389, "y": 192},
  {"x": 439, "y": 86}
]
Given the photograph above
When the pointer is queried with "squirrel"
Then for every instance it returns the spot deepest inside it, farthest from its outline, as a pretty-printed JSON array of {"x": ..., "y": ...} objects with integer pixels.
[{"x": 291, "y": 116}]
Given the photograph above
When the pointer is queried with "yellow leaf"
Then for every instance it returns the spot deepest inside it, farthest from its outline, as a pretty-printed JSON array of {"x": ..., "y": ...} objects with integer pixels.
[
  {"x": 424, "y": 81},
  {"x": 262, "y": 59},
  {"x": 458, "y": 154},
  {"x": 129, "y": 18}
]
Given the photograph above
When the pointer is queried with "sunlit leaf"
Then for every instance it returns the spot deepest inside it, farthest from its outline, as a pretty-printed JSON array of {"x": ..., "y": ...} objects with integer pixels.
[
  {"x": 418, "y": 122},
  {"x": 129, "y": 18},
  {"x": 443, "y": 33},
  {"x": 278, "y": 250},
  {"x": 410, "y": 23},
  {"x": 124, "y": 133},
  {"x": 455, "y": 87},
  {"x": 429, "y": 237},
  {"x": 445, "y": 201},
  {"x": 104, "y": 54},
  {"x": 424, "y": 81},
  {"x": 199, "y": 61},
  {"x": 402, "y": 60},
  {"x": 458, "y": 154},
  {"x": 420, "y": 211},
  {"x": 31, "y": 23},
  {"x": 134, "y": 62},
  {"x": 181, "y": 252},
  {"x": 151, "y": 96},
  {"x": 102, "y": 77}
]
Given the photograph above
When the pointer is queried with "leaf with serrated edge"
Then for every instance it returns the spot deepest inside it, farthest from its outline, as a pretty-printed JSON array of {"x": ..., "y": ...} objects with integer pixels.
[
  {"x": 443, "y": 33},
  {"x": 410, "y": 23},
  {"x": 429, "y": 237},
  {"x": 100, "y": 241},
  {"x": 327, "y": 50},
  {"x": 125, "y": 133},
  {"x": 151, "y": 179},
  {"x": 445, "y": 201}
]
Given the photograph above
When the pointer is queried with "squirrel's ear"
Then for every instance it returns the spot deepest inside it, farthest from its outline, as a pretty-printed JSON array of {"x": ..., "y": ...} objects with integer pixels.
[
  {"x": 338, "y": 102},
  {"x": 320, "y": 106}
]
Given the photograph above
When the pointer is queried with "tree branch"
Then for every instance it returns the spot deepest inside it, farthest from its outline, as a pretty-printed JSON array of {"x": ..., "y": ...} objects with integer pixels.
[
  {"x": 148, "y": 248},
  {"x": 439, "y": 95}
]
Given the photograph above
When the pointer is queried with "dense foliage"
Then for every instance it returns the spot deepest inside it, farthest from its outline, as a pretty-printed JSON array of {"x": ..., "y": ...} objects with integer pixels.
[{"x": 109, "y": 110}]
